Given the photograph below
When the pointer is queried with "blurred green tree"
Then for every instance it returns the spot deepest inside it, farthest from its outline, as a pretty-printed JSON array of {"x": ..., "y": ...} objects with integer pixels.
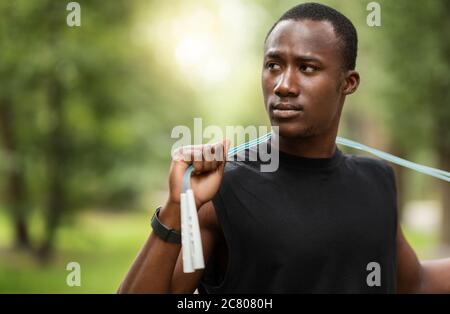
[
  {"x": 81, "y": 111},
  {"x": 417, "y": 56}
]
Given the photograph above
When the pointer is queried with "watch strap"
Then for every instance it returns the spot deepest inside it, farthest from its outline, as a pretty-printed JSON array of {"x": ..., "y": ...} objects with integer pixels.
[{"x": 166, "y": 234}]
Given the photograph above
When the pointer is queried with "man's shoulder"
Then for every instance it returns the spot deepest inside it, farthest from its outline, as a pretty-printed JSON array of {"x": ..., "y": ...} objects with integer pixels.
[{"x": 370, "y": 166}]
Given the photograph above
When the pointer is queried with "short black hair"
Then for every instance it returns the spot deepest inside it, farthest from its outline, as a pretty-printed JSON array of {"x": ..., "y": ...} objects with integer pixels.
[{"x": 343, "y": 27}]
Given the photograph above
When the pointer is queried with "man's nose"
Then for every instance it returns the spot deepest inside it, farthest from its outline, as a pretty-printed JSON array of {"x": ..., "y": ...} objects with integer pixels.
[{"x": 287, "y": 84}]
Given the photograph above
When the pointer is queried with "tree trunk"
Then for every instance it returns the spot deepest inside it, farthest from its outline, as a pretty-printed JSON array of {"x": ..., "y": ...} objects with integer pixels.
[
  {"x": 15, "y": 185},
  {"x": 56, "y": 157}
]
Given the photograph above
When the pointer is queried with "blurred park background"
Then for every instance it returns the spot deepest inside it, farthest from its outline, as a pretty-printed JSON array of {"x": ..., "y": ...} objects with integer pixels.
[{"x": 86, "y": 115}]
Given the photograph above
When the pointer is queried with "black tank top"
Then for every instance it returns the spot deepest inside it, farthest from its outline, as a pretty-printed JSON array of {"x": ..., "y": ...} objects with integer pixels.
[{"x": 316, "y": 225}]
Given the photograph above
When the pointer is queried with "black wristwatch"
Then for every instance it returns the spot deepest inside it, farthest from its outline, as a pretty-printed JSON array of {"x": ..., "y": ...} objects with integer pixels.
[{"x": 166, "y": 234}]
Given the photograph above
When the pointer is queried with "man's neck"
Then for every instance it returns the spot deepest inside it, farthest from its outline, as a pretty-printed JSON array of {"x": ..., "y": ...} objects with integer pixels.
[{"x": 322, "y": 146}]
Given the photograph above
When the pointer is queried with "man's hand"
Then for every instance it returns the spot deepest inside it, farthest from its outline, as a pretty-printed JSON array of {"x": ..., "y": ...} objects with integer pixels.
[{"x": 208, "y": 162}]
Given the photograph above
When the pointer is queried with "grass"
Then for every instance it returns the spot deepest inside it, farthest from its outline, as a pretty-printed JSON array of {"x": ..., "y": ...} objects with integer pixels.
[{"x": 104, "y": 244}]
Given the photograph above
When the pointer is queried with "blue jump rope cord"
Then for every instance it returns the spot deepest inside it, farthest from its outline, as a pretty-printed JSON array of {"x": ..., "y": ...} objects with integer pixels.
[{"x": 437, "y": 173}]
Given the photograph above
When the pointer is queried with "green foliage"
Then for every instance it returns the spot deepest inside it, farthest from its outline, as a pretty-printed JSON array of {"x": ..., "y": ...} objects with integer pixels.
[
  {"x": 109, "y": 100},
  {"x": 418, "y": 61}
]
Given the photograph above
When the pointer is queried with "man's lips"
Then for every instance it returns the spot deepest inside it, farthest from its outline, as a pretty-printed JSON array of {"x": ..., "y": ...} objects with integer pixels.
[
  {"x": 286, "y": 110},
  {"x": 287, "y": 106}
]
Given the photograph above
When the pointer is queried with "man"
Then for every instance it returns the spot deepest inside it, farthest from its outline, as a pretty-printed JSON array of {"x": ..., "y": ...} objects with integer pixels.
[{"x": 324, "y": 221}]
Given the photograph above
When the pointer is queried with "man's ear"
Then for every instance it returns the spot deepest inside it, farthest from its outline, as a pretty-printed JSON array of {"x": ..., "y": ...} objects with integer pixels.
[{"x": 351, "y": 82}]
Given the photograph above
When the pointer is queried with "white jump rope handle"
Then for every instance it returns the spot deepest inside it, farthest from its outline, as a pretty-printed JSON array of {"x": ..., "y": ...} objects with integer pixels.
[{"x": 192, "y": 250}]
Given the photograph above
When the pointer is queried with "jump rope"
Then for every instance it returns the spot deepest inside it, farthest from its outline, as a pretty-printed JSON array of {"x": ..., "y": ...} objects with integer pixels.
[{"x": 192, "y": 251}]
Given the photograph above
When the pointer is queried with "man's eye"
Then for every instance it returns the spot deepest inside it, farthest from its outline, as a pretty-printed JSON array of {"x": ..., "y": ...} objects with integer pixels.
[
  {"x": 273, "y": 66},
  {"x": 307, "y": 68}
]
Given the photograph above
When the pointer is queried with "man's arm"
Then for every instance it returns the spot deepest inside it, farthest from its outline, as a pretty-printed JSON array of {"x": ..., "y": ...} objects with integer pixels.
[
  {"x": 414, "y": 276},
  {"x": 153, "y": 269}
]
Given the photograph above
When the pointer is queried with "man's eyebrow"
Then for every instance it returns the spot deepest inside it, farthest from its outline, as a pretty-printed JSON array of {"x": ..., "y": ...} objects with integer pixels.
[{"x": 275, "y": 54}]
